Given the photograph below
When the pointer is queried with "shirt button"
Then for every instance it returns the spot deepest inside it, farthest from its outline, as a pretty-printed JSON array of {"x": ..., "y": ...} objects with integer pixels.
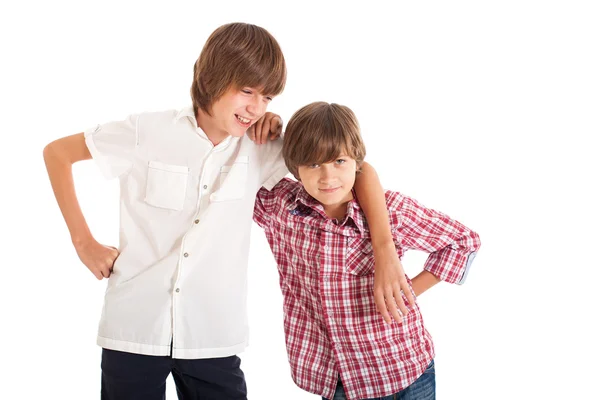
[
  {"x": 177, "y": 290},
  {"x": 205, "y": 187},
  {"x": 326, "y": 247},
  {"x": 196, "y": 221},
  {"x": 185, "y": 254}
]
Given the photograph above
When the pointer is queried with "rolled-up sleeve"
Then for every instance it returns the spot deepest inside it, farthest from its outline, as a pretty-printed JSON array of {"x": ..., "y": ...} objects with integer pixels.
[
  {"x": 452, "y": 246},
  {"x": 112, "y": 145}
]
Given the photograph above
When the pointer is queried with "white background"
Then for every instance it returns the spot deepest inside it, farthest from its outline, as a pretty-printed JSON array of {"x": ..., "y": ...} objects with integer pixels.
[{"x": 485, "y": 110}]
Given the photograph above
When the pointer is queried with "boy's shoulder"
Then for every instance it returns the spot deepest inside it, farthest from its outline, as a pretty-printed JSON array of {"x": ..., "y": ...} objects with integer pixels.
[
  {"x": 172, "y": 115},
  {"x": 287, "y": 189},
  {"x": 393, "y": 199},
  {"x": 148, "y": 121},
  {"x": 279, "y": 199},
  {"x": 283, "y": 194},
  {"x": 152, "y": 125}
]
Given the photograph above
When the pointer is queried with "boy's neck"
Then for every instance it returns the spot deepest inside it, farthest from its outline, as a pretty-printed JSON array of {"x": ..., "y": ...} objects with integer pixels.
[
  {"x": 337, "y": 211},
  {"x": 210, "y": 128}
]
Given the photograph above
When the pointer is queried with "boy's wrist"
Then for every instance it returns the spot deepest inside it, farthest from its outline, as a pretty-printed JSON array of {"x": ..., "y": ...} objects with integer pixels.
[
  {"x": 80, "y": 241},
  {"x": 383, "y": 245},
  {"x": 423, "y": 282}
]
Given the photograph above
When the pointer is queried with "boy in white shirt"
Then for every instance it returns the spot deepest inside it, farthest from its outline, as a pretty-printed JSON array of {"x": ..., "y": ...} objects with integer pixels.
[{"x": 176, "y": 297}]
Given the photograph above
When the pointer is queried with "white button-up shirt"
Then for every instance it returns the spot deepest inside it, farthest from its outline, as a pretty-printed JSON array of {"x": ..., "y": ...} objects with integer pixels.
[{"x": 186, "y": 212}]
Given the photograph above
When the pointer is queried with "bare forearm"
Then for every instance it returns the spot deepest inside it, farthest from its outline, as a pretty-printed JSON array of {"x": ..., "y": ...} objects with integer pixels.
[
  {"x": 61, "y": 178},
  {"x": 423, "y": 282},
  {"x": 372, "y": 201}
]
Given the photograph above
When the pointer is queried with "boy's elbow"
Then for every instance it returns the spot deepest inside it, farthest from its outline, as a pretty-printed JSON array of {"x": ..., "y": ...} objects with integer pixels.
[
  {"x": 476, "y": 240},
  {"x": 49, "y": 152},
  {"x": 52, "y": 152},
  {"x": 67, "y": 150}
]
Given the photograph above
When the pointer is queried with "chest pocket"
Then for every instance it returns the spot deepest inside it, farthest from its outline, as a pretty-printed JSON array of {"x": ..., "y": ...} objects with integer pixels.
[
  {"x": 166, "y": 185},
  {"x": 232, "y": 181},
  {"x": 360, "y": 259}
]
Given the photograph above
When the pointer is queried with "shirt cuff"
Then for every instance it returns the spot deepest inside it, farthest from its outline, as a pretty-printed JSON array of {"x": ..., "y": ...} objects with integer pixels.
[
  {"x": 275, "y": 178},
  {"x": 470, "y": 259}
]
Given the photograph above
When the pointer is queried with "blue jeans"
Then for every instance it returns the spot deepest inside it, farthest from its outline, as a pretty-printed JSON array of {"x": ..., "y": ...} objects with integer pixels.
[{"x": 421, "y": 389}]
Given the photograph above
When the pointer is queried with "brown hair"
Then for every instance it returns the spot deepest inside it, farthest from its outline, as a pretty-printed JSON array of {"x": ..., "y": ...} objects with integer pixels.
[
  {"x": 237, "y": 55},
  {"x": 319, "y": 133}
]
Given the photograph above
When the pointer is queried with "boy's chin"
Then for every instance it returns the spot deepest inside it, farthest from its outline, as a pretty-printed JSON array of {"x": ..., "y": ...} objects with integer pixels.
[
  {"x": 237, "y": 132},
  {"x": 329, "y": 200}
]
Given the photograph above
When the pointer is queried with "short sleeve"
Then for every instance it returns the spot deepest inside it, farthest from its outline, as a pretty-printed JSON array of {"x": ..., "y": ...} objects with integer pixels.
[
  {"x": 273, "y": 167},
  {"x": 112, "y": 145}
]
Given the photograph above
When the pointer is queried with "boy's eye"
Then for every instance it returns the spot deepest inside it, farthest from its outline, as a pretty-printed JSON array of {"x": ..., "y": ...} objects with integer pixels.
[
  {"x": 247, "y": 91},
  {"x": 313, "y": 166},
  {"x": 269, "y": 98},
  {"x": 340, "y": 161}
]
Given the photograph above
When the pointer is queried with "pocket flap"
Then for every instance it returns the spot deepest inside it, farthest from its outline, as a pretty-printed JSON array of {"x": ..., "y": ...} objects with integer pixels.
[
  {"x": 360, "y": 259},
  {"x": 168, "y": 167}
]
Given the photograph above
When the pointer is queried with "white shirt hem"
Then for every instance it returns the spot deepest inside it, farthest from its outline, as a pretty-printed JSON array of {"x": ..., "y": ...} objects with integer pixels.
[
  {"x": 132, "y": 347},
  {"x": 210, "y": 353},
  {"x": 159, "y": 350}
]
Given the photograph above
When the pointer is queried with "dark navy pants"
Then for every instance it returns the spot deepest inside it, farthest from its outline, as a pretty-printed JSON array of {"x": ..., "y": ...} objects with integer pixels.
[{"x": 128, "y": 376}]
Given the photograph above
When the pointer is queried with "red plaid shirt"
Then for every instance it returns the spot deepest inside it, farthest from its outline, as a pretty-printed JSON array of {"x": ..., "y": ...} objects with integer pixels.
[{"x": 326, "y": 270}]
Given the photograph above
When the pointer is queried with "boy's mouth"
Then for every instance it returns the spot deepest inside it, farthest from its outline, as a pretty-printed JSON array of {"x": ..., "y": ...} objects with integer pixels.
[
  {"x": 243, "y": 121},
  {"x": 329, "y": 190}
]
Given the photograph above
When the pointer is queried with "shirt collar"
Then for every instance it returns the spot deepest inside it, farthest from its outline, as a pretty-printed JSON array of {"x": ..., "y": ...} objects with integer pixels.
[
  {"x": 186, "y": 112},
  {"x": 354, "y": 214},
  {"x": 189, "y": 112}
]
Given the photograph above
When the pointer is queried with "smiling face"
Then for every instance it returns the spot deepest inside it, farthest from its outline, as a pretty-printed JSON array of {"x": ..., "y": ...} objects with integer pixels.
[
  {"x": 330, "y": 183},
  {"x": 239, "y": 67},
  {"x": 323, "y": 148},
  {"x": 233, "y": 113}
]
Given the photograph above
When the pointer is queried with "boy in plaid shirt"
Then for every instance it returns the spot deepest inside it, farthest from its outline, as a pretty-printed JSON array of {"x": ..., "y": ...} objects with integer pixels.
[{"x": 338, "y": 346}]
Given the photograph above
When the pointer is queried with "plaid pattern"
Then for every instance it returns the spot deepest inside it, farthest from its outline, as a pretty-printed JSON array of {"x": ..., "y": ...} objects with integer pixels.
[{"x": 326, "y": 270}]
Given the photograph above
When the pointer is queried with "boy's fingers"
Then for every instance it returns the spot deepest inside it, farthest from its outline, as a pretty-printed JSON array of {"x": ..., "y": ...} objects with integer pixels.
[
  {"x": 252, "y": 133},
  {"x": 400, "y": 301},
  {"x": 381, "y": 307},
  {"x": 97, "y": 274},
  {"x": 266, "y": 130},
  {"x": 392, "y": 306},
  {"x": 260, "y": 127},
  {"x": 408, "y": 293},
  {"x": 275, "y": 129}
]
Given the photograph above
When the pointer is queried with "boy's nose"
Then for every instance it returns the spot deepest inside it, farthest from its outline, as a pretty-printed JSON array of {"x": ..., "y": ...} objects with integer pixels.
[
  {"x": 327, "y": 174},
  {"x": 256, "y": 108}
]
